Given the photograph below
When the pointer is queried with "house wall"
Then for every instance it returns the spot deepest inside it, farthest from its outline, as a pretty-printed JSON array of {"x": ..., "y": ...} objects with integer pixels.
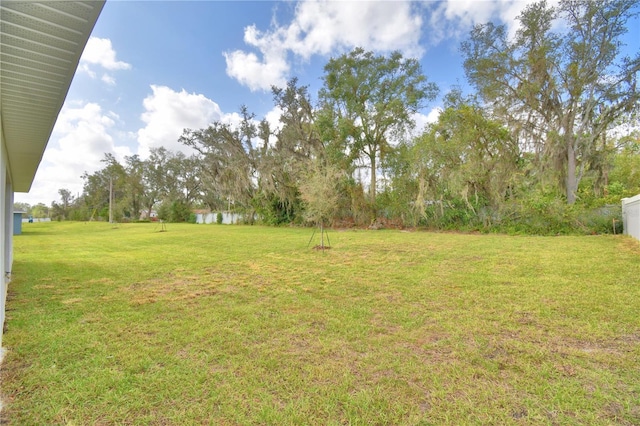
[
  {"x": 631, "y": 216},
  {"x": 6, "y": 228},
  {"x": 60, "y": 31}
]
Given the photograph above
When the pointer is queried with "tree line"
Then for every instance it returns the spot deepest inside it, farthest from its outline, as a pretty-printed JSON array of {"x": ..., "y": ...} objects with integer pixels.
[{"x": 540, "y": 146}]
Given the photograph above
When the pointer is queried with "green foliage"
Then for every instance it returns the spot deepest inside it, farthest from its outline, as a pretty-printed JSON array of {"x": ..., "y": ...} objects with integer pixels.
[
  {"x": 625, "y": 173},
  {"x": 560, "y": 91},
  {"x": 79, "y": 214},
  {"x": 175, "y": 211},
  {"x": 274, "y": 211},
  {"x": 368, "y": 98},
  {"x": 397, "y": 202},
  {"x": 542, "y": 213},
  {"x": 284, "y": 164},
  {"x": 24, "y": 207},
  {"x": 603, "y": 220},
  {"x": 460, "y": 166},
  {"x": 40, "y": 211},
  {"x": 319, "y": 193},
  {"x": 507, "y": 159},
  {"x": 354, "y": 202},
  {"x": 219, "y": 218},
  {"x": 228, "y": 158},
  {"x": 164, "y": 212},
  {"x": 180, "y": 212}
]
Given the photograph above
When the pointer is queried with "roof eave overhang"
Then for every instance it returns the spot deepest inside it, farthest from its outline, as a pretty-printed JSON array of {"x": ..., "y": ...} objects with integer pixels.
[{"x": 40, "y": 47}]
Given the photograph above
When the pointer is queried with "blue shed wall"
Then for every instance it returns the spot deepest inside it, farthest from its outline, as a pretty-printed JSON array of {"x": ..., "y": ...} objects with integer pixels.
[{"x": 17, "y": 223}]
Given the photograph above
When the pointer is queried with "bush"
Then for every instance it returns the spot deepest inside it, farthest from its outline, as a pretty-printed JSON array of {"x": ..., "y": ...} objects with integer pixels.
[
  {"x": 274, "y": 211},
  {"x": 175, "y": 211},
  {"x": 604, "y": 220},
  {"x": 219, "y": 218}
]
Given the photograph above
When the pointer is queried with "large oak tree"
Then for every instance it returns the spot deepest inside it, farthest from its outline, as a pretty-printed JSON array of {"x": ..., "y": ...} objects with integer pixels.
[
  {"x": 561, "y": 87},
  {"x": 368, "y": 97}
]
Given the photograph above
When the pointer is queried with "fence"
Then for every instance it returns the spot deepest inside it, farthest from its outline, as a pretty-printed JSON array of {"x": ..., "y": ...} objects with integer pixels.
[
  {"x": 631, "y": 216},
  {"x": 37, "y": 219},
  {"x": 227, "y": 218}
]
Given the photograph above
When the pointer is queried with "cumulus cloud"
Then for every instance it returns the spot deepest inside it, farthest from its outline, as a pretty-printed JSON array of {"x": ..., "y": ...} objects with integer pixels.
[
  {"x": 100, "y": 53},
  {"x": 423, "y": 120},
  {"x": 321, "y": 27},
  {"x": 325, "y": 27},
  {"x": 84, "y": 132},
  {"x": 167, "y": 113},
  {"x": 108, "y": 79},
  {"x": 255, "y": 73},
  {"x": 80, "y": 138},
  {"x": 455, "y": 18},
  {"x": 273, "y": 118}
]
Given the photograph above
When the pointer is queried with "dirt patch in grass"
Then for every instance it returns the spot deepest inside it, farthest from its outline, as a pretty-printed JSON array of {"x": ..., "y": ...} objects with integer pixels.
[{"x": 172, "y": 287}]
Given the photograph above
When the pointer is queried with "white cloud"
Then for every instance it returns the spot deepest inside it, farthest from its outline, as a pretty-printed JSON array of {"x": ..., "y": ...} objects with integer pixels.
[
  {"x": 168, "y": 113},
  {"x": 455, "y": 18},
  {"x": 108, "y": 79},
  {"x": 80, "y": 138},
  {"x": 273, "y": 118},
  {"x": 321, "y": 27},
  {"x": 326, "y": 27},
  {"x": 100, "y": 53},
  {"x": 422, "y": 120},
  {"x": 258, "y": 74}
]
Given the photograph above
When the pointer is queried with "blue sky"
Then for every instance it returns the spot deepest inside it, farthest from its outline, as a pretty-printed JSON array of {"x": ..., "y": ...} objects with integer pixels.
[{"x": 153, "y": 68}]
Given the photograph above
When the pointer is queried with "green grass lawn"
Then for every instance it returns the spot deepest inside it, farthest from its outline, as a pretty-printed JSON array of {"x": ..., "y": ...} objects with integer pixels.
[{"x": 226, "y": 325}]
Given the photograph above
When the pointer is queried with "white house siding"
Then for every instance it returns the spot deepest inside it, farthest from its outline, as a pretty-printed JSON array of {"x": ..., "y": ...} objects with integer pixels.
[
  {"x": 631, "y": 216},
  {"x": 36, "y": 37},
  {"x": 6, "y": 229}
]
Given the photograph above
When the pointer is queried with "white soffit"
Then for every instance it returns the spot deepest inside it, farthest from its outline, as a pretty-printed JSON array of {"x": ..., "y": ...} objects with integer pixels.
[{"x": 40, "y": 47}]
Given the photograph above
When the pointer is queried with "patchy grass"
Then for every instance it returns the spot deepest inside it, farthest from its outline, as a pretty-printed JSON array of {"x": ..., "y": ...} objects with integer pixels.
[{"x": 209, "y": 324}]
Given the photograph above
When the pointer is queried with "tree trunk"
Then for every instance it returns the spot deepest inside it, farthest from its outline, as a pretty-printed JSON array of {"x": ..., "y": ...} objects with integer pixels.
[
  {"x": 571, "y": 180},
  {"x": 372, "y": 190},
  {"x": 372, "y": 184},
  {"x": 110, "y": 200}
]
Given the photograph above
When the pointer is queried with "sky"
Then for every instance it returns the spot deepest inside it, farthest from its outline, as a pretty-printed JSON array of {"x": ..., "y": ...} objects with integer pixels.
[{"x": 153, "y": 68}]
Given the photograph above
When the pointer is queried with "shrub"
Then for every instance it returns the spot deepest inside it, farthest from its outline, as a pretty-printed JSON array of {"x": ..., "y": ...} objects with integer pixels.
[{"x": 603, "y": 220}]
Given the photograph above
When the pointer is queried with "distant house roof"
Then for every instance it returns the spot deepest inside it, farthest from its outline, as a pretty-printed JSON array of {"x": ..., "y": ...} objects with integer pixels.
[{"x": 41, "y": 47}]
